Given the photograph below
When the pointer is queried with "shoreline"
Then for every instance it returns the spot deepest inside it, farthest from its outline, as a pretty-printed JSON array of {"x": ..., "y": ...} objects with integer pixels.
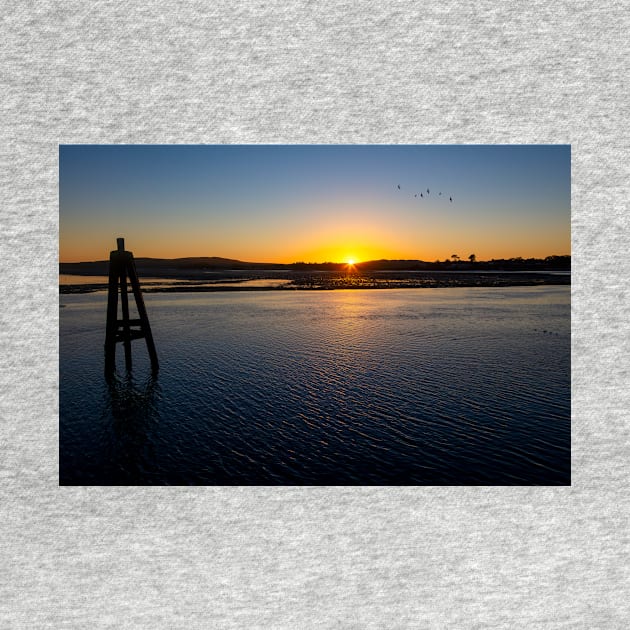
[{"x": 335, "y": 282}]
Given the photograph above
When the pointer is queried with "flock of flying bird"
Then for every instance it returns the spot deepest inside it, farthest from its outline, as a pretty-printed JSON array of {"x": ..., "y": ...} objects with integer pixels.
[{"x": 428, "y": 192}]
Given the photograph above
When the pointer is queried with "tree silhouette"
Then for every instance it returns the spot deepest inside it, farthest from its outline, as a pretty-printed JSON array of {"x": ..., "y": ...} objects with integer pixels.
[
  {"x": 472, "y": 258},
  {"x": 455, "y": 257}
]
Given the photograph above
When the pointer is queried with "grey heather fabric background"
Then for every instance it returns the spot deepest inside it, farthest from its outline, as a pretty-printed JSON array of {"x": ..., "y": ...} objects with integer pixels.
[{"x": 349, "y": 72}]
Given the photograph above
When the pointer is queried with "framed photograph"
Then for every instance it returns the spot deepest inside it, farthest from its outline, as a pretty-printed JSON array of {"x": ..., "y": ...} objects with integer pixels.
[{"x": 378, "y": 315}]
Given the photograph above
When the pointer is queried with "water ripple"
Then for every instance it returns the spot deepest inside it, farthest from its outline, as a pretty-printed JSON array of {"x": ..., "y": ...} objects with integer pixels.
[{"x": 433, "y": 386}]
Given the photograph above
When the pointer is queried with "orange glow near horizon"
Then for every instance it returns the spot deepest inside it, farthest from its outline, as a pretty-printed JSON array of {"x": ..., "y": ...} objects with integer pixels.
[
  {"x": 332, "y": 233},
  {"x": 330, "y": 243},
  {"x": 352, "y": 254},
  {"x": 336, "y": 230}
]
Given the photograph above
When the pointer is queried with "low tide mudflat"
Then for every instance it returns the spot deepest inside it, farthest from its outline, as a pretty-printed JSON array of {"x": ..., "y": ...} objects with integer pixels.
[{"x": 320, "y": 280}]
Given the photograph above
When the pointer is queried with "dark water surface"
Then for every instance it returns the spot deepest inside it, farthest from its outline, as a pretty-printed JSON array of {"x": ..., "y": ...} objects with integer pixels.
[{"x": 401, "y": 386}]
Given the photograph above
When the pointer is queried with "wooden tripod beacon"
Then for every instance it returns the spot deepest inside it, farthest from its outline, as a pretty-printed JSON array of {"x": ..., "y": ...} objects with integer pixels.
[{"x": 121, "y": 266}]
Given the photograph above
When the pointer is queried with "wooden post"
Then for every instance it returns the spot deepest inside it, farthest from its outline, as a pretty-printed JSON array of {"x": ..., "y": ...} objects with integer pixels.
[
  {"x": 121, "y": 266},
  {"x": 142, "y": 312}
]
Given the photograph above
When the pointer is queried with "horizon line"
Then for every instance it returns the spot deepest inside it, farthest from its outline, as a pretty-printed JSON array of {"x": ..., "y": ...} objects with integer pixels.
[{"x": 326, "y": 262}]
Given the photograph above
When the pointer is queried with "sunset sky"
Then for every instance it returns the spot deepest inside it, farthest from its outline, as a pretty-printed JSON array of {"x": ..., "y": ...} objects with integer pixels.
[{"x": 315, "y": 203}]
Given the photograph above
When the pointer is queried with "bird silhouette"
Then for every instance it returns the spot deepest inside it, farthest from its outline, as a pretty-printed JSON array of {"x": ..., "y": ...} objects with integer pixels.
[
  {"x": 439, "y": 194},
  {"x": 427, "y": 191},
  {"x": 421, "y": 195},
  {"x": 416, "y": 195},
  {"x": 398, "y": 186},
  {"x": 450, "y": 199}
]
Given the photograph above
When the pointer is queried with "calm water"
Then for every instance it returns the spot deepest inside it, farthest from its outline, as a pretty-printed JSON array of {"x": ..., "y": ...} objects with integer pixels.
[
  {"x": 411, "y": 386},
  {"x": 66, "y": 279}
]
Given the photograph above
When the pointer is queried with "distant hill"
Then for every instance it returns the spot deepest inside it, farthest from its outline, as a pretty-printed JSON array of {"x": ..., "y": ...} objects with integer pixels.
[{"x": 166, "y": 267}]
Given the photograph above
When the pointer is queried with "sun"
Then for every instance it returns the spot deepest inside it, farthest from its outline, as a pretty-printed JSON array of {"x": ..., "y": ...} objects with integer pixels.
[{"x": 350, "y": 262}]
